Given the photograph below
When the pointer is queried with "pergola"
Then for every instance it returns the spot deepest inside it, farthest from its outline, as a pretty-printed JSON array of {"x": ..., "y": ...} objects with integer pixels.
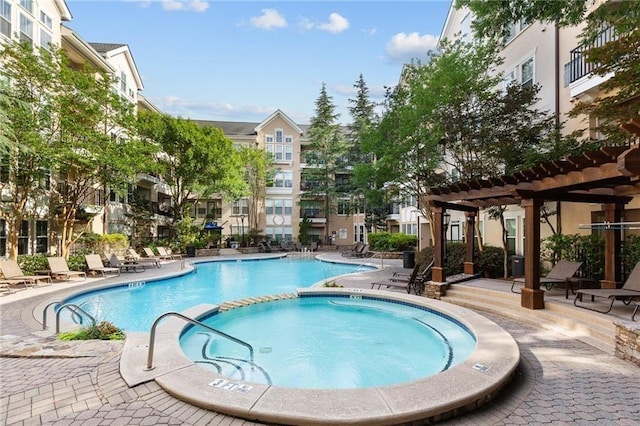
[{"x": 609, "y": 176}]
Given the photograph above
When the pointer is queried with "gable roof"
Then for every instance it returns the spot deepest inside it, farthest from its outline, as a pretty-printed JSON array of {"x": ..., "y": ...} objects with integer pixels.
[
  {"x": 108, "y": 50},
  {"x": 285, "y": 117}
]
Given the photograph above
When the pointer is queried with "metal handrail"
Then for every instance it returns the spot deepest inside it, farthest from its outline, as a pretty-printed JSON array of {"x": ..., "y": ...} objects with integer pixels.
[
  {"x": 71, "y": 307},
  {"x": 152, "y": 336},
  {"x": 46, "y": 308}
]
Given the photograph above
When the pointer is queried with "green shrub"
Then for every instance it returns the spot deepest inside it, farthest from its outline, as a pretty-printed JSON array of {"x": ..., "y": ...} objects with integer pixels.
[
  {"x": 490, "y": 262},
  {"x": 386, "y": 241},
  {"x": 31, "y": 263},
  {"x": 102, "y": 331},
  {"x": 631, "y": 252},
  {"x": 454, "y": 262},
  {"x": 116, "y": 243}
]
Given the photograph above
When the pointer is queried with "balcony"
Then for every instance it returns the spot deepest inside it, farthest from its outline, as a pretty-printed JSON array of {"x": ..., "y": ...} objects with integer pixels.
[{"x": 578, "y": 71}]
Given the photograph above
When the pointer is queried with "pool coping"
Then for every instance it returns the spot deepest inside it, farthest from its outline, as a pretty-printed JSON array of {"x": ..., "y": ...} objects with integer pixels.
[{"x": 464, "y": 387}]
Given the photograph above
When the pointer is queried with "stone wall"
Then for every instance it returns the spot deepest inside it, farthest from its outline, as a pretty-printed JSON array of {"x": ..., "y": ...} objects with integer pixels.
[
  {"x": 207, "y": 252},
  {"x": 628, "y": 341}
]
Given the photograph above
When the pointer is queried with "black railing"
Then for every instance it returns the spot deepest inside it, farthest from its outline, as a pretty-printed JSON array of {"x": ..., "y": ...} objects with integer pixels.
[{"x": 578, "y": 67}]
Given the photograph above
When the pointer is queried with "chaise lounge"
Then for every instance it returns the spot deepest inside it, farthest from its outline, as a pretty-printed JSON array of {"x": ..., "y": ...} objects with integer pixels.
[
  {"x": 559, "y": 274},
  {"x": 416, "y": 280},
  {"x": 59, "y": 269},
  {"x": 94, "y": 263},
  {"x": 629, "y": 290},
  {"x": 12, "y": 272}
]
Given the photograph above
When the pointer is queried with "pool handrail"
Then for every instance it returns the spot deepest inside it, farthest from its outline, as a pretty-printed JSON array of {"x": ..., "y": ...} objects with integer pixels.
[
  {"x": 71, "y": 307},
  {"x": 152, "y": 336},
  {"x": 46, "y": 308}
]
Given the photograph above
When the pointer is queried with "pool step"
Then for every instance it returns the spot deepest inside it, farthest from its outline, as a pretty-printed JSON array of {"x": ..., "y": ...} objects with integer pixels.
[{"x": 226, "y": 306}]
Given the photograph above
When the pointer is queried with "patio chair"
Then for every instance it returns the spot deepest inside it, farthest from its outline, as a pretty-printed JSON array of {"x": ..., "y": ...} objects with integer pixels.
[
  {"x": 559, "y": 274},
  {"x": 94, "y": 263},
  {"x": 629, "y": 290},
  {"x": 364, "y": 251},
  {"x": 355, "y": 249},
  {"x": 132, "y": 255},
  {"x": 415, "y": 281},
  {"x": 166, "y": 253},
  {"x": 12, "y": 272},
  {"x": 125, "y": 265},
  {"x": 59, "y": 269},
  {"x": 10, "y": 286}
]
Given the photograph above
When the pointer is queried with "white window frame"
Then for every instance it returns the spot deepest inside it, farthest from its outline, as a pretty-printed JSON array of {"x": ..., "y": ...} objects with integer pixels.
[
  {"x": 46, "y": 39},
  {"x": 26, "y": 29},
  {"x": 46, "y": 20},
  {"x": 531, "y": 81},
  {"x": 27, "y": 5},
  {"x": 5, "y": 18}
]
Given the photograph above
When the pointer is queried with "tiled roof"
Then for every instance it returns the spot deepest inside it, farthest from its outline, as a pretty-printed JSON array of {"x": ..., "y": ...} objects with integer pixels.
[
  {"x": 237, "y": 128},
  {"x": 106, "y": 47}
]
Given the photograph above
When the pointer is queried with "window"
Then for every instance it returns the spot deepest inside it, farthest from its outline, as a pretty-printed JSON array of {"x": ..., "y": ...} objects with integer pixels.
[
  {"x": 46, "y": 20},
  {"x": 23, "y": 238},
  {"x": 278, "y": 206},
  {"x": 526, "y": 73},
  {"x": 240, "y": 207},
  {"x": 123, "y": 81},
  {"x": 279, "y": 146},
  {"x": 465, "y": 28},
  {"x": 511, "y": 235},
  {"x": 509, "y": 78},
  {"x": 45, "y": 40},
  {"x": 3, "y": 237},
  {"x": 42, "y": 237},
  {"x": 5, "y": 18},
  {"x": 26, "y": 30},
  {"x": 279, "y": 233},
  {"x": 283, "y": 179},
  {"x": 27, "y": 5},
  {"x": 343, "y": 207}
]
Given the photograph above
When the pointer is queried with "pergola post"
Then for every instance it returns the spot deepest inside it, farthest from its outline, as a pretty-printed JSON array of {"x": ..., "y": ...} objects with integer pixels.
[
  {"x": 532, "y": 297},
  {"x": 438, "y": 273},
  {"x": 470, "y": 236},
  {"x": 612, "y": 243}
]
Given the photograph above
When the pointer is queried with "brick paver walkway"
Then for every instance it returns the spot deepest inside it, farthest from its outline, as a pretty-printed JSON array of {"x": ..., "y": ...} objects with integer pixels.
[{"x": 42, "y": 381}]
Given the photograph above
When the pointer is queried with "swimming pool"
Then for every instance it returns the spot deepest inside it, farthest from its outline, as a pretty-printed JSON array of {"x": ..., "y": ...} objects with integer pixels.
[
  {"x": 330, "y": 343},
  {"x": 134, "y": 306}
]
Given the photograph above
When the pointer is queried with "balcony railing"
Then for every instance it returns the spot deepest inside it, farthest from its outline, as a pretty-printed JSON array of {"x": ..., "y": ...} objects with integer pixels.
[{"x": 578, "y": 67}]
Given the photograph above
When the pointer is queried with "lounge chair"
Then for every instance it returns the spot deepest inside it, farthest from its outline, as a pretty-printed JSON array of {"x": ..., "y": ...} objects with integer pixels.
[
  {"x": 94, "y": 263},
  {"x": 125, "y": 265},
  {"x": 166, "y": 253},
  {"x": 132, "y": 255},
  {"x": 265, "y": 247},
  {"x": 59, "y": 269},
  {"x": 629, "y": 290},
  {"x": 415, "y": 281},
  {"x": 357, "y": 247},
  {"x": 364, "y": 252},
  {"x": 12, "y": 272},
  {"x": 10, "y": 286},
  {"x": 150, "y": 254},
  {"x": 559, "y": 274}
]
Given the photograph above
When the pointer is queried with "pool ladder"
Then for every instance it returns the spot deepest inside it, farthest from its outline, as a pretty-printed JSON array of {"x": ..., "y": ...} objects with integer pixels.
[
  {"x": 152, "y": 336},
  {"x": 75, "y": 311}
]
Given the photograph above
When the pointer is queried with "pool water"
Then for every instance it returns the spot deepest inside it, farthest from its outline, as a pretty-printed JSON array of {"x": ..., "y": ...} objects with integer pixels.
[
  {"x": 330, "y": 343},
  {"x": 134, "y": 307}
]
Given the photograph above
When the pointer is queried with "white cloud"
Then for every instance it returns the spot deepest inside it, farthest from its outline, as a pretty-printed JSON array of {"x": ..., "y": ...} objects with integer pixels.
[
  {"x": 369, "y": 32},
  {"x": 269, "y": 19},
  {"x": 404, "y": 47},
  {"x": 336, "y": 24},
  {"x": 202, "y": 110},
  {"x": 186, "y": 5},
  {"x": 351, "y": 91}
]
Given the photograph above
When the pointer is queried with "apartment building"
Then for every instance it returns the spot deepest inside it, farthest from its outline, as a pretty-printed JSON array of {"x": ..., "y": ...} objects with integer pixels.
[
  {"x": 41, "y": 23},
  {"x": 277, "y": 214},
  {"x": 38, "y": 23},
  {"x": 543, "y": 54}
]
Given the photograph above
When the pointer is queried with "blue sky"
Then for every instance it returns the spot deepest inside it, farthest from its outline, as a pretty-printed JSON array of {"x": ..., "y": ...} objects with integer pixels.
[{"x": 242, "y": 60}]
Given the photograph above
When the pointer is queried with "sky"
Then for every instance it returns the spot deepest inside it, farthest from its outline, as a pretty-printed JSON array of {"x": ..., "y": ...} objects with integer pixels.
[{"x": 242, "y": 60}]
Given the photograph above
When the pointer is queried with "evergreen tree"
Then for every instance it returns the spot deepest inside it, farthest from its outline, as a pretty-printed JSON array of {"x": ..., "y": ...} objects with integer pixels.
[{"x": 325, "y": 157}]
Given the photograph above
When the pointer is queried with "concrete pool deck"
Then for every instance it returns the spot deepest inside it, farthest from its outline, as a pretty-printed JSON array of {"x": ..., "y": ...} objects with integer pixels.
[{"x": 44, "y": 381}]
